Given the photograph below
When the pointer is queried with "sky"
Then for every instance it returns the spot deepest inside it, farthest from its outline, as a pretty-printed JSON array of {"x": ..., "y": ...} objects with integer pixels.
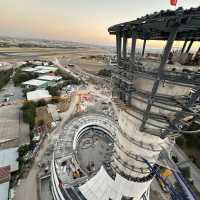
[{"x": 84, "y": 21}]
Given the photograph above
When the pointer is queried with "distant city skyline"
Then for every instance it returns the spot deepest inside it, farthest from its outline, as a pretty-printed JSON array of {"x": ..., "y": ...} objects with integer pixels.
[{"x": 83, "y": 21}]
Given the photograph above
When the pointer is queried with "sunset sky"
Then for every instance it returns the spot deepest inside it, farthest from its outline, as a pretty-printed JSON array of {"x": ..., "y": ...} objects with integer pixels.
[{"x": 75, "y": 20}]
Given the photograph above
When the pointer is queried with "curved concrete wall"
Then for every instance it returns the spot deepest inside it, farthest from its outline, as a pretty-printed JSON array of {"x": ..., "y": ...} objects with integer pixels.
[
  {"x": 102, "y": 187},
  {"x": 165, "y": 89},
  {"x": 139, "y": 144}
]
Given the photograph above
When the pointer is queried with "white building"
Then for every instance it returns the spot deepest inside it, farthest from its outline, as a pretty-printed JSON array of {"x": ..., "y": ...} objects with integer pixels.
[
  {"x": 29, "y": 69},
  {"x": 42, "y": 71},
  {"x": 50, "y": 78},
  {"x": 35, "y": 83},
  {"x": 4, "y": 182},
  {"x": 8, "y": 157},
  {"x": 52, "y": 69},
  {"x": 37, "y": 95}
]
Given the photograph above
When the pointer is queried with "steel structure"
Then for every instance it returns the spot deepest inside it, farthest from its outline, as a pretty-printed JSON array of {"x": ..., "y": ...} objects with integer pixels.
[{"x": 153, "y": 105}]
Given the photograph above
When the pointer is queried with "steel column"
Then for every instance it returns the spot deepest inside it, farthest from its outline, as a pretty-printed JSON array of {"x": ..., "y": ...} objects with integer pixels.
[
  {"x": 143, "y": 49},
  {"x": 133, "y": 46},
  {"x": 164, "y": 58},
  {"x": 124, "y": 45},
  {"x": 119, "y": 46}
]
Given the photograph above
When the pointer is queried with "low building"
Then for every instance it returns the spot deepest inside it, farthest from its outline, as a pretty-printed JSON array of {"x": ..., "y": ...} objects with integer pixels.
[
  {"x": 34, "y": 83},
  {"x": 4, "y": 182},
  {"x": 37, "y": 62},
  {"x": 38, "y": 95},
  {"x": 50, "y": 78},
  {"x": 8, "y": 164},
  {"x": 29, "y": 69},
  {"x": 42, "y": 71},
  {"x": 8, "y": 157},
  {"x": 50, "y": 68}
]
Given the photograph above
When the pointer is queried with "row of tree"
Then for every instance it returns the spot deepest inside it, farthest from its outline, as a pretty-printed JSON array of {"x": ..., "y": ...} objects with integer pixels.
[
  {"x": 5, "y": 77},
  {"x": 29, "y": 111},
  {"x": 105, "y": 73},
  {"x": 68, "y": 78},
  {"x": 20, "y": 77}
]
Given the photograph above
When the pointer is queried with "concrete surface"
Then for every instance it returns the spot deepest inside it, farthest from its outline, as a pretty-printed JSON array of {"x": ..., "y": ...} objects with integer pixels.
[{"x": 12, "y": 128}]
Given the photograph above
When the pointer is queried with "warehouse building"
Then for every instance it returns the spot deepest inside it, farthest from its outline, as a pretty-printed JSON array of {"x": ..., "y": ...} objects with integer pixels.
[
  {"x": 34, "y": 84},
  {"x": 38, "y": 95}
]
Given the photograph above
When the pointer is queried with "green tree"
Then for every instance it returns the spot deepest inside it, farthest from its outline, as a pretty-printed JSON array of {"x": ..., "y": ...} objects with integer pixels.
[
  {"x": 5, "y": 77},
  {"x": 186, "y": 172},
  {"x": 40, "y": 122},
  {"x": 69, "y": 79},
  {"x": 29, "y": 113},
  {"x": 21, "y": 77},
  {"x": 41, "y": 103},
  {"x": 104, "y": 72},
  {"x": 180, "y": 141},
  {"x": 54, "y": 91}
]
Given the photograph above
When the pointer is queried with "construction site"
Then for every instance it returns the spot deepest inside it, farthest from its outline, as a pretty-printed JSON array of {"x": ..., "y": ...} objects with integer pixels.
[
  {"x": 93, "y": 123},
  {"x": 154, "y": 101}
]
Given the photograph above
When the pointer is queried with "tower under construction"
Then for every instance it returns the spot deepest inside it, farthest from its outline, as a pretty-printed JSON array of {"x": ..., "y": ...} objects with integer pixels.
[{"x": 154, "y": 101}]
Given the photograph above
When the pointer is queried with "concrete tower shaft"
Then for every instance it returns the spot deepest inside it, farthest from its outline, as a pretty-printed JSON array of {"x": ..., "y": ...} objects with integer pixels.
[{"x": 132, "y": 144}]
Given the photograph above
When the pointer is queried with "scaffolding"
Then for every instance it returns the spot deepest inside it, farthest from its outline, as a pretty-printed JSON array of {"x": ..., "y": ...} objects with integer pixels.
[{"x": 178, "y": 25}]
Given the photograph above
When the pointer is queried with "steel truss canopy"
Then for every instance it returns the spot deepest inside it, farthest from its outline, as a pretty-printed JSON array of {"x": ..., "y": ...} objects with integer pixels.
[{"x": 158, "y": 25}]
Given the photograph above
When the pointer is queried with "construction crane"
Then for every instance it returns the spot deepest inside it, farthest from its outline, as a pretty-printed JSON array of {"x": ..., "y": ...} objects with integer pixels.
[{"x": 185, "y": 192}]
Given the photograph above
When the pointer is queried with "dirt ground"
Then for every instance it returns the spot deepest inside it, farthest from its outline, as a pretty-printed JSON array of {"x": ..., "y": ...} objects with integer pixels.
[
  {"x": 63, "y": 105},
  {"x": 74, "y": 56},
  {"x": 42, "y": 114}
]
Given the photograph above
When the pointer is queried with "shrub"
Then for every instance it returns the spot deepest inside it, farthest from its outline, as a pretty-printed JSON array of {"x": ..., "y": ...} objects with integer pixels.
[
  {"x": 41, "y": 103},
  {"x": 69, "y": 79},
  {"x": 21, "y": 77},
  {"x": 180, "y": 141},
  {"x": 185, "y": 172},
  {"x": 41, "y": 122},
  {"x": 104, "y": 72},
  {"x": 5, "y": 77},
  {"x": 175, "y": 159},
  {"x": 29, "y": 113},
  {"x": 54, "y": 91}
]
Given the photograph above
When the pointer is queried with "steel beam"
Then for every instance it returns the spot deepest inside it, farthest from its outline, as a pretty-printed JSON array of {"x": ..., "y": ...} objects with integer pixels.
[
  {"x": 184, "y": 45},
  {"x": 164, "y": 58},
  {"x": 189, "y": 46}
]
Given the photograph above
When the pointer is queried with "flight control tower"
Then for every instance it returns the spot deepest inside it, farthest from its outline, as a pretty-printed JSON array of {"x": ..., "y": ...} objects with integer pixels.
[{"x": 155, "y": 101}]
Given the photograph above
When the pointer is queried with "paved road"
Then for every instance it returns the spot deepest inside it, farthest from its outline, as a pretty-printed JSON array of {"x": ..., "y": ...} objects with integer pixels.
[{"x": 195, "y": 172}]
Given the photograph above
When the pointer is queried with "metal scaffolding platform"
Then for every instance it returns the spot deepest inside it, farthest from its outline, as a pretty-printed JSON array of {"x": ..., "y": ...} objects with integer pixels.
[{"x": 165, "y": 25}]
